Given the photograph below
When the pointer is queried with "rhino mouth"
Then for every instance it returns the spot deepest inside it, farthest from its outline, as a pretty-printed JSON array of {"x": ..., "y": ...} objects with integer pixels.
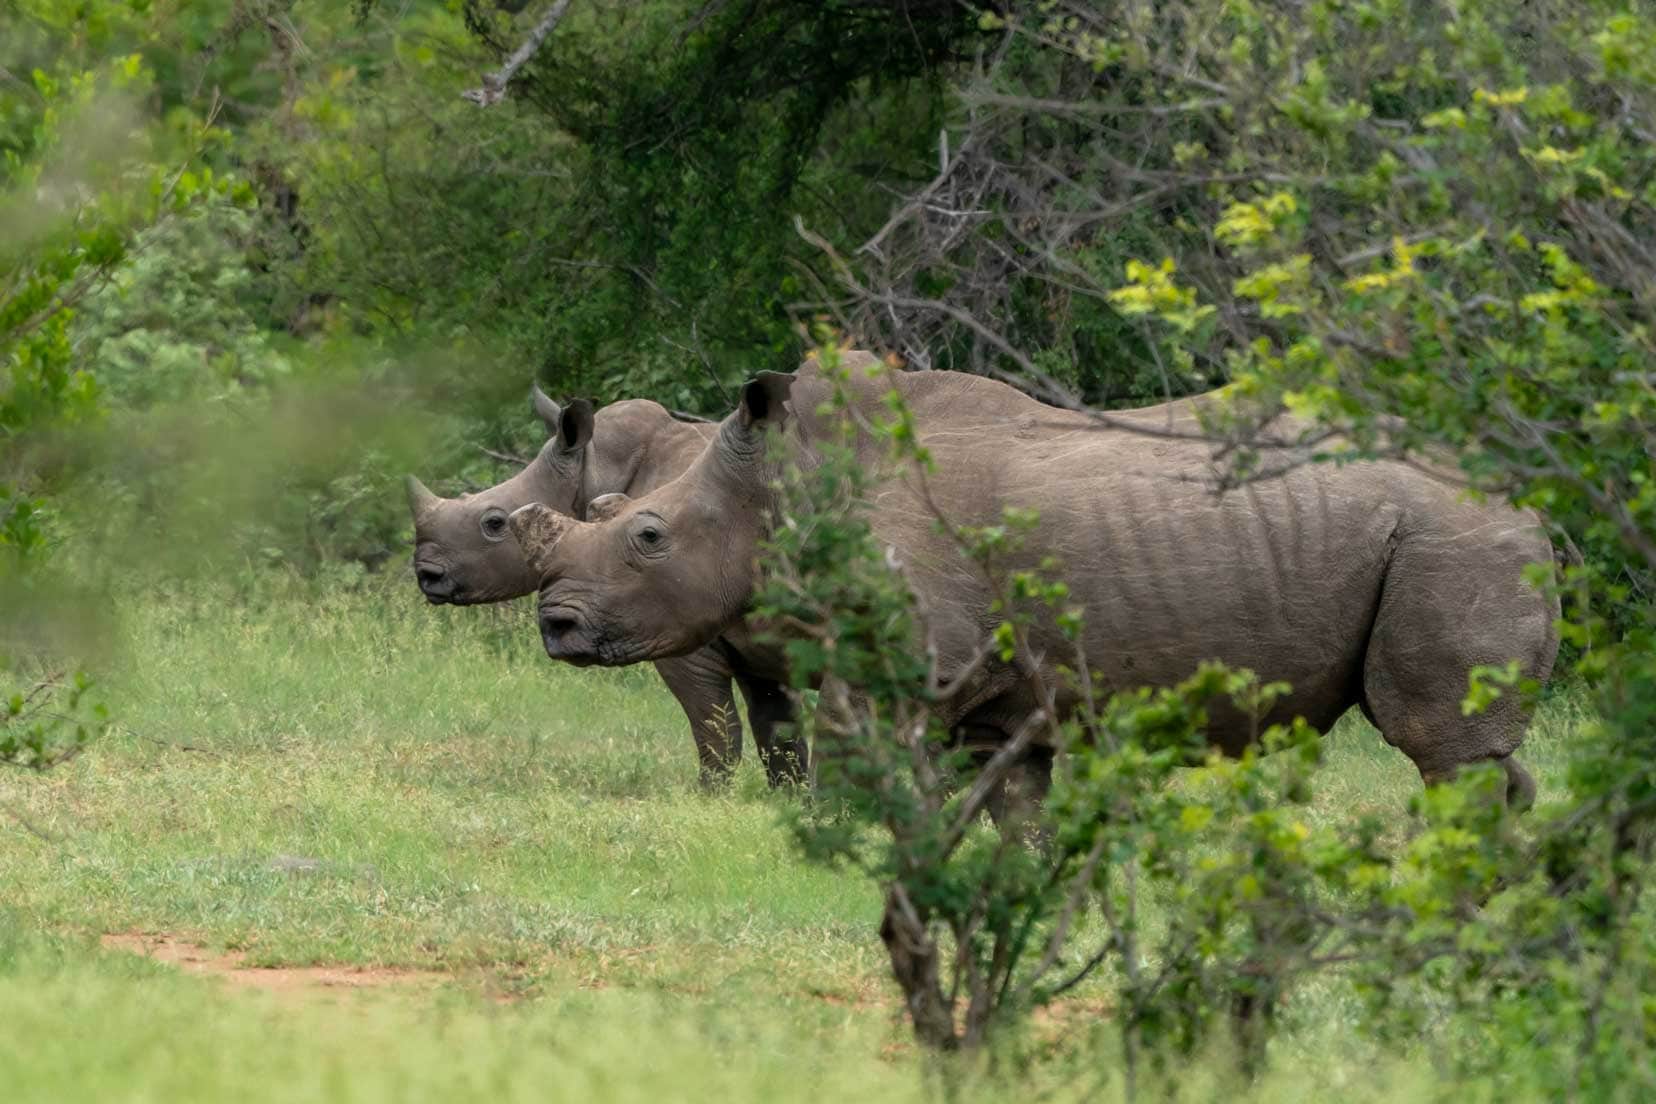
[
  {"x": 568, "y": 638},
  {"x": 436, "y": 583}
]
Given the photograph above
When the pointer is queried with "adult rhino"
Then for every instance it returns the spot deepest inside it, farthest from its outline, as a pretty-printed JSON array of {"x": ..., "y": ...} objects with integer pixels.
[
  {"x": 1372, "y": 584},
  {"x": 464, "y": 554}
]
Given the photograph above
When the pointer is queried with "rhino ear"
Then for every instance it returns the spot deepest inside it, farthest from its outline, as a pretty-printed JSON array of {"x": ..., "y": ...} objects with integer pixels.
[
  {"x": 574, "y": 427},
  {"x": 606, "y": 506},
  {"x": 764, "y": 398},
  {"x": 538, "y": 528},
  {"x": 545, "y": 409}
]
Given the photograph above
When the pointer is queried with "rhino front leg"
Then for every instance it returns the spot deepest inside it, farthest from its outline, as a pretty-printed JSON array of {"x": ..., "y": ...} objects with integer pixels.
[
  {"x": 701, "y": 683},
  {"x": 787, "y": 761}
]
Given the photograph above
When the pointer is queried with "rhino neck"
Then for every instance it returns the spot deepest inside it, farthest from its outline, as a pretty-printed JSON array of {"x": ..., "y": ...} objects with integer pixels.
[
  {"x": 550, "y": 480},
  {"x": 739, "y": 468}
]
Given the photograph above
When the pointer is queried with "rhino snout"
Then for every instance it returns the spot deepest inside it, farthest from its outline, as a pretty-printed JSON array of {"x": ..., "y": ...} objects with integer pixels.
[
  {"x": 435, "y": 582},
  {"x": 565, "y": 636}
]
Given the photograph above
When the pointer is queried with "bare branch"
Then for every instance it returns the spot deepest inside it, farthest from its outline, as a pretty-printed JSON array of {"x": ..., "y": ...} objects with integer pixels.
[
  {"x": 1088, "y": 109},
  {"x": 700, "y": 353},
  {"x": 503, "y": 457},
  {"x": 29, "y": 826},
  {"x": 494, "y": 84}
]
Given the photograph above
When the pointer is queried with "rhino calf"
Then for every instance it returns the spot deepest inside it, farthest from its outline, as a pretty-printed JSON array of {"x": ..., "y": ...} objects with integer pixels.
[
  {"x": 465, "y": 554},
  {"x": 1372, "y": 584}
]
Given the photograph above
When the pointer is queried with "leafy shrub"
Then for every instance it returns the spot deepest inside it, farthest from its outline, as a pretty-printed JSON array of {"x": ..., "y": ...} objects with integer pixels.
[
  {"x": 80, "y": 179},
  {"x": 1418, "y": 230},
  {"x": 981, "y": 928},
  {"x": 179, "y": 319},
  {"x": 48, "y": 722},
  {"x": 1536, "y": 939}
]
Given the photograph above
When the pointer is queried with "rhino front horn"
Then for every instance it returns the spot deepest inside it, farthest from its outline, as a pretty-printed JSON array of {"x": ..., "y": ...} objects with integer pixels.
[{"x": 420, "y": 500}]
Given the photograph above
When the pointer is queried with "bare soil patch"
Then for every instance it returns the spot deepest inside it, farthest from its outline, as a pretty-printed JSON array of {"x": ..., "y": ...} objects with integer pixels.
[{"x": 232, "y": 967}]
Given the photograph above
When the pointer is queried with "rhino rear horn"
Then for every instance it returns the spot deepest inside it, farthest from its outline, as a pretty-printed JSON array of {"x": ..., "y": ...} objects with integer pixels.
[
  {"x": 538, "y": 528},
  {"x": 606, "y": 506},
  {"x": 420, "y": 500}
]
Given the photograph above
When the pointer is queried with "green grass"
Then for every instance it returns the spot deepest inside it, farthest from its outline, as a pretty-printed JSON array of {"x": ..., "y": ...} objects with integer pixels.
[{"x": 358, "y": 779}]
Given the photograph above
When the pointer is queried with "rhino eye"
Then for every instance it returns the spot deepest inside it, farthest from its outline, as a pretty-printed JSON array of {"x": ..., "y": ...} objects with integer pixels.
[
  {"x": 647, "y": 536},
  {"x": 494, "y": 525}
]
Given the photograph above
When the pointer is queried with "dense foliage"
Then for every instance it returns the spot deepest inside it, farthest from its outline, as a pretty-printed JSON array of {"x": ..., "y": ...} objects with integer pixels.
[
  {"x": 82, "y": 176},
  {"x": 1423, "y": 230},
  {"x": 381, "y": 247}
]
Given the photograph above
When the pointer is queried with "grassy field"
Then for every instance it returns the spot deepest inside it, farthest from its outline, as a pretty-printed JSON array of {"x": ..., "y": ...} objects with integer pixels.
[{"x": 347, "y": 847}]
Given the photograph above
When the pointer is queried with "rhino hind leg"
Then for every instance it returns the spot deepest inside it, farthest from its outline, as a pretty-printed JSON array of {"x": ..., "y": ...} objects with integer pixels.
[
  {"x": 1520, "y": 788},
  {"x": 1017, "y": 803},
  {"x": 1445, "y": 608}
]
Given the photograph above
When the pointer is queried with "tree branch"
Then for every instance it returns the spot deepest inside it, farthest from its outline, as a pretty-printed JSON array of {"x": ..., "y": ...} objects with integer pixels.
[
  {"x": 503, "y": 457},
  {"x": 494, "y": 84},
  {"x": 29, "y": 826}
]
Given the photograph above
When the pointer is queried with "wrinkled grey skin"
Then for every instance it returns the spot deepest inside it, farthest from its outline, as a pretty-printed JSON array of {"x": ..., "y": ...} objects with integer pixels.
[
  {"x": 464, "y": 554},
  {"x": 1371, "y": 584}
]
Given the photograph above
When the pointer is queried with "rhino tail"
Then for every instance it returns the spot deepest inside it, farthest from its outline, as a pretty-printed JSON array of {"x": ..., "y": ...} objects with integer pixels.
[
  {"x": 1520, "y": 788},
  {"x": 1565, "y": 552}
]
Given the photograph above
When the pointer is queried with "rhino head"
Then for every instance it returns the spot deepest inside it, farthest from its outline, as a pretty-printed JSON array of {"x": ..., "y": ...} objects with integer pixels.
[
  {"x": 663, "y": 574},
  {"x": 463, "y": 549}
]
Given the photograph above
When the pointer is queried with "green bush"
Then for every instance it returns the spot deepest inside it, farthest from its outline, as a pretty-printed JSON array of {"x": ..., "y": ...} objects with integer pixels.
[
  {"x": 1416, "y": 230},
  {"x": 179, "y": 319}
]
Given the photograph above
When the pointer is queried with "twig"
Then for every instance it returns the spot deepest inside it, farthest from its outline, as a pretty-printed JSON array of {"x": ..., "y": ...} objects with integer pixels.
[
  {"x": 172, "y": 746},
  {"x": 700, "y": 353},
  {"x": 921, "y": 198},
  {"x": 50, "y": 682},
  {"x": 999, "y": 766},
  {"x": 27, "y": 86},
  {"x": 201, "y": 133},
  {"x": 44, "y": 763},
  {"x": 29, "y": 826},
  {"x": 503, "y": 457},
  {"x": 1057, "y": 941},
  {"x": 494, "y": 84},
  {"x": 1089, "y": 109}
]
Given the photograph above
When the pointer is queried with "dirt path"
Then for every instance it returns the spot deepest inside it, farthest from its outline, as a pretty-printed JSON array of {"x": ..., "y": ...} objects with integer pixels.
[
  {"x": 232, "y": 967},
  {"x": 339, "y": 982}
]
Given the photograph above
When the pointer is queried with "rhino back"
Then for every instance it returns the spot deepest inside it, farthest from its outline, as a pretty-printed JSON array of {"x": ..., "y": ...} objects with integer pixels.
[{"x": 1283, "y": 576}]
